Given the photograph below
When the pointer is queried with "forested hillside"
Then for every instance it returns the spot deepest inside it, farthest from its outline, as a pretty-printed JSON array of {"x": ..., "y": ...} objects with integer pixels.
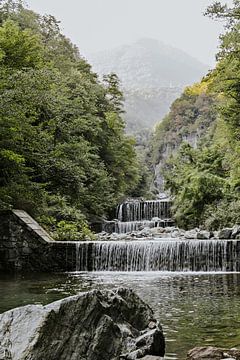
[
  {"x": 64, "y": 155},
  {"x": 190, "y": 117},
  {"x": 197, "y": 146},
  {"x": 144, "y": 107}
]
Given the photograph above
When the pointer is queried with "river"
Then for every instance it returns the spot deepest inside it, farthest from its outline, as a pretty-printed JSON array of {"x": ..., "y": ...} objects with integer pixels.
[{"x": 193, "y": 308}]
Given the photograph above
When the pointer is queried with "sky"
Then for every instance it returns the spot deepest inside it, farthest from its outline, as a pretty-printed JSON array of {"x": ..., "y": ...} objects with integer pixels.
[{"x": 95, "y": 25}]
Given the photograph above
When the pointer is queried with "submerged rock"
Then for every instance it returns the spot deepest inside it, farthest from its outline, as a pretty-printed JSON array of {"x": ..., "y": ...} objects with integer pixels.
[
  {"x": 95, "y": 325},
  {"x": 213, "y": 353}
]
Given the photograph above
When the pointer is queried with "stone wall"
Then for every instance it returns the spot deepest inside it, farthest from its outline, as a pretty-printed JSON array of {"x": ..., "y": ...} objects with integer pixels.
[{"x": 26, "y": 246}]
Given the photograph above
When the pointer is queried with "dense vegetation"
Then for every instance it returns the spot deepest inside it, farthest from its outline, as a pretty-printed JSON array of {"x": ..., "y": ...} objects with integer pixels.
[
  {"x": 64, "y": 155},
  {"x": 205, "y": 180}
]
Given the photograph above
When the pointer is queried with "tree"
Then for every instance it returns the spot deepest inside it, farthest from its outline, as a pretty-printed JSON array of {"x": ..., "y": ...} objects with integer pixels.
[{"x": 64, "y": 154}]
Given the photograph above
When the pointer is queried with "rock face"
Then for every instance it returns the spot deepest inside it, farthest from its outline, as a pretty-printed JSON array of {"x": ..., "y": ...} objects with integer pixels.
[
  {"x": 95, "y": 325},
  {"x": 213, "y": 353}
]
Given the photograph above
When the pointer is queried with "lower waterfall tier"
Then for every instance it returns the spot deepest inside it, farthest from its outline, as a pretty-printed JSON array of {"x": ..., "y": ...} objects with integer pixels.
[{"x": 159, "y": 255}]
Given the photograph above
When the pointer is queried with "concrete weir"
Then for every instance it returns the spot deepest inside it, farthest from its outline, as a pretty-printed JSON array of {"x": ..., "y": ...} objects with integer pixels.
[{"x": 26, "y": 246}]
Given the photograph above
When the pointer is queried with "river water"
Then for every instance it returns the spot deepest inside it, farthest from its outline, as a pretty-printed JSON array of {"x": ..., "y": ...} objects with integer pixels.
[{"x": 193, "y": 308}]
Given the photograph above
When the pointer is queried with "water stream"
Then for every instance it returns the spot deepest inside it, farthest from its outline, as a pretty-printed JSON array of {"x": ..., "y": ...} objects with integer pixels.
[
  {"x": 194, "y": 308},
  {"x": 193, "y": 286}
]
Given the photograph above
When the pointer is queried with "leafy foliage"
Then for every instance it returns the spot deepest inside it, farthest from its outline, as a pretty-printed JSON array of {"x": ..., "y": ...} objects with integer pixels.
[
  {"x": 64, "y": 154},
  {"x": 205, "y": 182}
]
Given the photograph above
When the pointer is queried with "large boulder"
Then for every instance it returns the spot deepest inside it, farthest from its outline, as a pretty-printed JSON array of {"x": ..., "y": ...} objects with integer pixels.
[
  {"x": 213, "y": 353},
  {"x": 95, "y": 325}
]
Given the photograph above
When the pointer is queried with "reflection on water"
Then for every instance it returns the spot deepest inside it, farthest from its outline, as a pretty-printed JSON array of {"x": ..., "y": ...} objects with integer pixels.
[{"x": 194, "y": 309}]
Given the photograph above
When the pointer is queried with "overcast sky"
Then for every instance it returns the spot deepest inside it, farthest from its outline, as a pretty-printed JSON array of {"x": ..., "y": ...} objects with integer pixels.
[{"x": 96, "y": 25}]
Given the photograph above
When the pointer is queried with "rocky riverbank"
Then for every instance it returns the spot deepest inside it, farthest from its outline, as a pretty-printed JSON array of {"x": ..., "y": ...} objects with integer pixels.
[
  {"x": 95, "y": 325},
  {"x": 213, "y": 353},
  {"x": 174, "y": 232}
]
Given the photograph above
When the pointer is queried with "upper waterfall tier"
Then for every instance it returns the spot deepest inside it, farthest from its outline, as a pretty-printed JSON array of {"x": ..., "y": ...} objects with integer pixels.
[{"x": 143, "y": 210}]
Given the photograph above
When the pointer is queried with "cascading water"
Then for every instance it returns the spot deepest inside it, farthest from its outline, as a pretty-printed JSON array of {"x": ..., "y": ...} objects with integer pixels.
[
  {"x": 135, "y": 215},
  {"x": 143, "y": 210},
  {"x": 159, "y": 255},
  {"x": 130, "y": 226}
]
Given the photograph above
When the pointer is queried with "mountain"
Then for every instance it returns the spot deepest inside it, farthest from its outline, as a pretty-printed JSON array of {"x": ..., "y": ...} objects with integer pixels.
[
  {"x": 149, "y": 63},
  {"x": 152, "y": 75}
]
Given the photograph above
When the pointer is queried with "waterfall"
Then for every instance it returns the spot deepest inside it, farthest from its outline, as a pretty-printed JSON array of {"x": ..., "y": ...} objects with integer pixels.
[
  {"x": 135, "y": 215},
  {"x": 143, "y": 210},
  {"x": 81, "y": 257},
  {"x": 123, "y": 227},
  {"x": 159, "y": 255}
]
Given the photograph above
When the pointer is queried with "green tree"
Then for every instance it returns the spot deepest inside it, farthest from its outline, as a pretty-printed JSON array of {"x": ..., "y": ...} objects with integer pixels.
[{"x": 64, "y": 154}]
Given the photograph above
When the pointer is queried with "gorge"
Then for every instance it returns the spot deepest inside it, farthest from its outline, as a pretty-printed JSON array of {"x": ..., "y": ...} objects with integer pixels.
[{"x": 167, "y": 198}]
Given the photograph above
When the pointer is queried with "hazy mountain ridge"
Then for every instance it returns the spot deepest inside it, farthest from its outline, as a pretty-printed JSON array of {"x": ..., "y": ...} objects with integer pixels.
[
  {"x": 152, "y": 75},
  {"x": 149, "y": 63}
]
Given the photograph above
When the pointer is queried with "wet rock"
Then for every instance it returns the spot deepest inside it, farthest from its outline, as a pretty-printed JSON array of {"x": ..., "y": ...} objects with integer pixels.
[
  {"x": 176, "y": 233},
  {"x": 152, "y": 342},
  {"x": 152, "y": 325},
  {"x": 169, "y": 229},
  {"x": 203, "y": 235},
  {"x": 158, "y": 231},
  {"x": 235, "y": 232},
  {"x": 191, "y": 234},
  {"x": 156, "y": 219},
  {"x": 95, "y": 325},
  {"x": 213, "y": 353},
  {"x": 150, "y": 357},
  {"x": 225, "y": 233},
  {"x": 146, "y": 232}
]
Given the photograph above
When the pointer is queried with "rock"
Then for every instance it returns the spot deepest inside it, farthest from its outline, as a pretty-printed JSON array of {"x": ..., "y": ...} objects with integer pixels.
[
  {"x": 203, "y": 235},
  {"x": 235, "y": 231},
  {"x": 169, "y": 229},
  {"x": 212, "y": 353},
  {"x": 152, "y": 325},
  {"x": 176, "y": 234},
  {"x": 145, "y": 232},
  {"x": 151, "y": 341},
  {"x": 150, "y": 357},
  {"x": 156, "y": 219},
  {"x": 95, "y": 325},
  {"x": 191, "y": 234},
  {"x": 225, "y": 233}
]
